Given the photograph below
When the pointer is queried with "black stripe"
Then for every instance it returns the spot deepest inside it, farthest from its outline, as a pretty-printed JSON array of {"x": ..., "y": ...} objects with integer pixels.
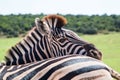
[
  {"x": 78, "y": 51},
  {"x": 49, "y": 45},
  {"x": 35, "y": 53},
  {"x": 41, "y": 52},
  {"x": 41, "y": 43},
  {"x": 20, "y": 59},
  {"x": 34, "y": 36},
  {"x": 56, "y": 46},
  {"x": 57, "y": 31},
  {"x": 53, "y": 20},
  {"x": 73, "y": 49},
  {"x": 84, "y": 53},
  {"x": 12, "y": 55},
  {"x": 76, "y": 41},
  {"x": 46, "y": 46},
  {"x": 31, "y": 48},
  {"x": 70, "y": 37},
  {"x": 55, "y": 50},
  {"x": 69, "y": 47},
  {"x": 38, "y": 33},
  {"x": 26, "y": 53},
  {"x": 18, "y": 52},
  {"x": 63, "y": 52},
  {"x": 48, "y": 23},
  {"x": 74, "y": 73},
  {"x": 7, "y": 60},
  {"x": 63, "y": 45}
]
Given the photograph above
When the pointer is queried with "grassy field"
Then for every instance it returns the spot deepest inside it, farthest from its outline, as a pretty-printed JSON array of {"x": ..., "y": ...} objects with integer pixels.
[
  {"x": 108, "y": 44},
  {"x": 5, "y": 44}
]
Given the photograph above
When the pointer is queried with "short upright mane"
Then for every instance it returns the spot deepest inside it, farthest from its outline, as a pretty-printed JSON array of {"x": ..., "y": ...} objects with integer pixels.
[{"x": 60, "y": 21}]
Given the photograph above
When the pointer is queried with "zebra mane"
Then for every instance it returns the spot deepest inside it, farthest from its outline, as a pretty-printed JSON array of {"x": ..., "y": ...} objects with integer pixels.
[{"x": 55, "y": 20}]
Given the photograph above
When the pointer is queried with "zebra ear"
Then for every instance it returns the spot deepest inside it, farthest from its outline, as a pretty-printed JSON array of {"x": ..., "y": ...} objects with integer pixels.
[
  {"x": 42, "y": 26},
  {"x": 55, "y": 21},
  {"x": 38, "y": 22}
]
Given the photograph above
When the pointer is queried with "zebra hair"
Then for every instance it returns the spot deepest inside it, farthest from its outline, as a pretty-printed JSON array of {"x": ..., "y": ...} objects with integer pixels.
[{"x": 69, "y": 67}]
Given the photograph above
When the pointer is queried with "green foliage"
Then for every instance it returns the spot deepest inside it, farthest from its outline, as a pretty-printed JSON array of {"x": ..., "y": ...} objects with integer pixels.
[
  {"x": 87, "y": 30},
  {"x": 14, "y": 25},
  {"x": 93, "y": 24}
]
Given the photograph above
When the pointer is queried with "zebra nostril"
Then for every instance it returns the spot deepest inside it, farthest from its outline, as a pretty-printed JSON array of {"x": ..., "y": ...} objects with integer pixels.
[{"x": 95, "y": 54}]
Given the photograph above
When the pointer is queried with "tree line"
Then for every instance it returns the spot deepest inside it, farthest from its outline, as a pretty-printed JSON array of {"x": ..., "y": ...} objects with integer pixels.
[{"x": 14, "y": 25}]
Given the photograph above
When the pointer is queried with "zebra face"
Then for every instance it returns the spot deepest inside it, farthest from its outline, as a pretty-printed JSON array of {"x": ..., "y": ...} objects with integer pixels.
[
  {"x": 73, "y": 44},
  {"x": 68, "y": 41}
]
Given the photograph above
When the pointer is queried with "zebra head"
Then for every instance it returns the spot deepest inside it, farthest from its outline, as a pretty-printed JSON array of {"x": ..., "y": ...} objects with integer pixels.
[{"x": 69, "y": 41}]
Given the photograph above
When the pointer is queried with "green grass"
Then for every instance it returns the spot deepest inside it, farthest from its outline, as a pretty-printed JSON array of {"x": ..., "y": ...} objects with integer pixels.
[
  {"x": 5, "y": 44},
  {"x": 108, "y": 44}
]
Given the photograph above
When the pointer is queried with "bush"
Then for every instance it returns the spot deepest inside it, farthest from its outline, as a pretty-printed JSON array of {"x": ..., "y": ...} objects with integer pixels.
[
  {"x": 87, "y": 30},
  {"x": 90, "y": 31},
  {"x": 111, "y": 29}
]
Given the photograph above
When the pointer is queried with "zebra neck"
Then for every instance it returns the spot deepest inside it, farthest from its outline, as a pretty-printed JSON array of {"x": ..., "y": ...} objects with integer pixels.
[{"x": 24, "y": 51}]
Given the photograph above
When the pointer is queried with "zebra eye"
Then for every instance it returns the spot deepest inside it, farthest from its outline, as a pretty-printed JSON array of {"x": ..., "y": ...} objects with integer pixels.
[
  {"x": 62, "y": 39},
  {"x": 57, "y": 36}
]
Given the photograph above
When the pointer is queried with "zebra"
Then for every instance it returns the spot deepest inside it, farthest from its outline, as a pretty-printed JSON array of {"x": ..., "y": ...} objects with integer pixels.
[
  {"x": 68, "y": 67},
  {"x": 48, "y": 39}
]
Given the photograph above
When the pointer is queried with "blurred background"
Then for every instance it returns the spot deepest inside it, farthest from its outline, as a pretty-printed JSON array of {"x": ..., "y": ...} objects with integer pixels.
[{"x": 97, "y": 21}]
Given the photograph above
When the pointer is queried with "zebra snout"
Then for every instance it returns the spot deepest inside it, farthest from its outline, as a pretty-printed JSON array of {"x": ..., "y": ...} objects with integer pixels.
[{"x": 96, "y": 54}]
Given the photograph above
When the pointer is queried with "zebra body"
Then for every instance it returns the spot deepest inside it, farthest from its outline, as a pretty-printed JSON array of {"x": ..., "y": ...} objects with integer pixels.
[
  {"x": 69, "y": 67},
  {"x": 48, "y": 39}
]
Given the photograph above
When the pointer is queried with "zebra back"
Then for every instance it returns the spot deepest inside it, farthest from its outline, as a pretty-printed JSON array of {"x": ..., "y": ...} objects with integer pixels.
[{"x": 69, "y": 67}]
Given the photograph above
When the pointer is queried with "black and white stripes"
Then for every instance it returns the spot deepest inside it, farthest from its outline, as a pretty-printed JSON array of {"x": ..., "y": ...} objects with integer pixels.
[
  {"x": 48, "y": 39},
  {"x": 69, "y": 67}
]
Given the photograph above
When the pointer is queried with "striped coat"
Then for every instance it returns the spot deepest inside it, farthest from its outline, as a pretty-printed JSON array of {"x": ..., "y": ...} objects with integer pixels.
[{"x": 69, "y": 67}]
